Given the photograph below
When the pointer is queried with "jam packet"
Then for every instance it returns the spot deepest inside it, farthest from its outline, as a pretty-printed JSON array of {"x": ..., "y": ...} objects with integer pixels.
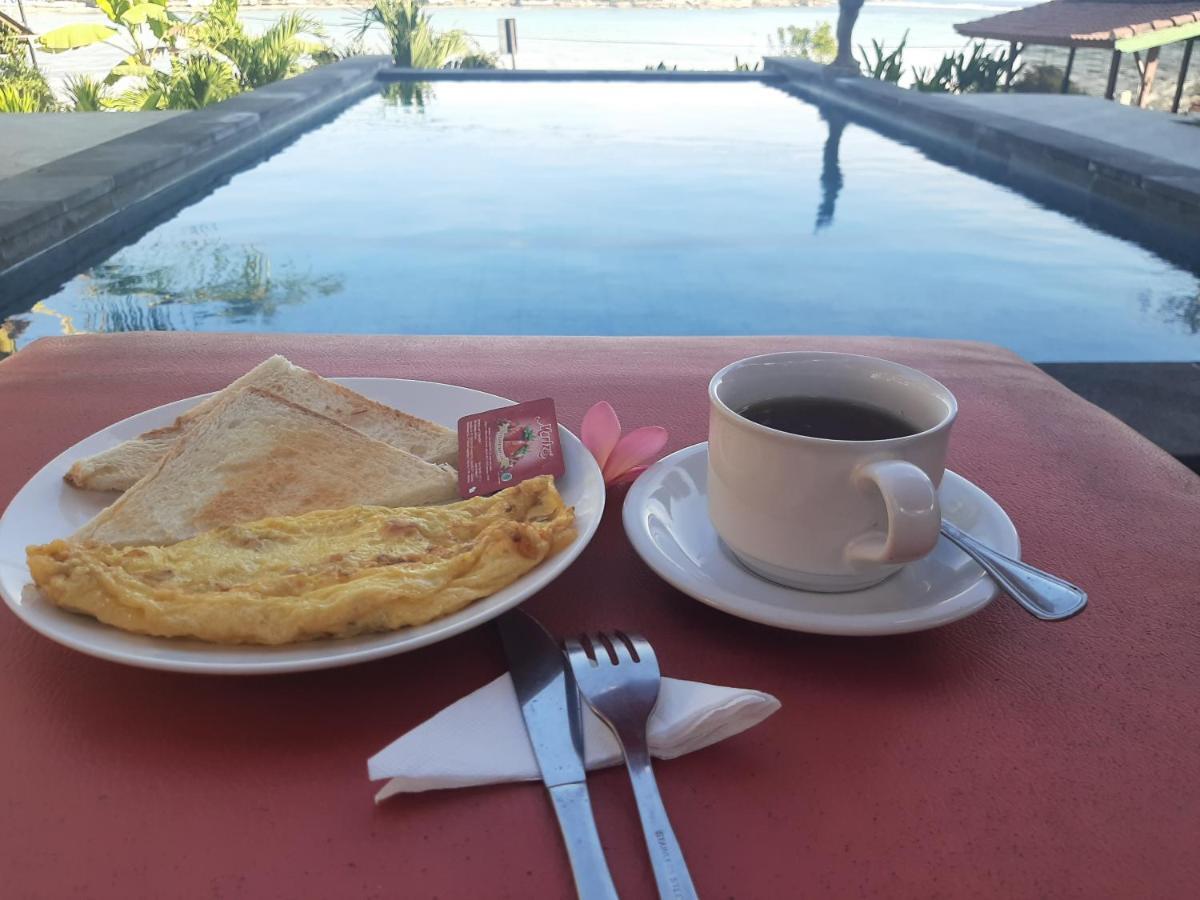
[{"x": 505, "y": 446}]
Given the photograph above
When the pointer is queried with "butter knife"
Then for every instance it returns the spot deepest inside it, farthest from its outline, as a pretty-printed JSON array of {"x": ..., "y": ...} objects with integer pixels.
[{"x": 550, "y": 706}]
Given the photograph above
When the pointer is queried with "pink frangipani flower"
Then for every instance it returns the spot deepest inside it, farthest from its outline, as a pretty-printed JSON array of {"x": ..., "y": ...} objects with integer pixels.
[{"x": 621, "y": 459}]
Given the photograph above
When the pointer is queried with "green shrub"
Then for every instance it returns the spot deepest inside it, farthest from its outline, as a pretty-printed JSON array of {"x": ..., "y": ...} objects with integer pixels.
[
  {"x": 479, "y": 59},
  {"x": 883, "y": 66},
  {"x": 23, "y": 88},
  {"x": 176, "y": 64},
  {"x": 1043, "y": 79},
  {"x": 817, "y": 44},
  {"x": 85, "y": 94}
]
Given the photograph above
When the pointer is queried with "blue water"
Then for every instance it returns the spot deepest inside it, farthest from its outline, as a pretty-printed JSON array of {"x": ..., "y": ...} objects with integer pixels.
[{"x": 630, "y": 208}]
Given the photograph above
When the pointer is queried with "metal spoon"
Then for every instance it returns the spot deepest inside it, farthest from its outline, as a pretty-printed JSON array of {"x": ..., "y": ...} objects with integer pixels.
[{"x": 1047, "y": 597}]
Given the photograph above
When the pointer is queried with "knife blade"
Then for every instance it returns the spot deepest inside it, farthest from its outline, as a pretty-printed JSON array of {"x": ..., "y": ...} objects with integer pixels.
[{"x": 550, "y": 706}]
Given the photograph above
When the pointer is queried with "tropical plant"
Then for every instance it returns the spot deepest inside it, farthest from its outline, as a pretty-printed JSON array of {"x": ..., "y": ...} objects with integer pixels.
[
  {"x": 739, "y": 66},
  {"x": 277, "y": 53},
  {"x": 412, "y": 41},
  {"x": 957, "y": 73},
  {"x": 817, "y": 44},
  {"x": 20, "y": 98},
  {"x": 193, "y": 82},
  {"x": 23, "y": 88},
  {"x": 883, "y": 66},
  {"x": 982, "y": 72},
  {"x": 476, "y": 59},
  {"x": 85, "y": 94},
  {"x": 196, "y": 82},
  {"x": 146, "y": 28},
  {"x": 936, "y": 81},
  {"x": 177, "y": 64}
]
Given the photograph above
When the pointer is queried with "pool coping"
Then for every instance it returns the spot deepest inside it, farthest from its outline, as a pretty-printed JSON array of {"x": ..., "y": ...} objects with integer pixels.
[
  {"x": 397, "y": 73},
  {"x": 1134, "y": 195},
  {"x": 57, "y": 215}
]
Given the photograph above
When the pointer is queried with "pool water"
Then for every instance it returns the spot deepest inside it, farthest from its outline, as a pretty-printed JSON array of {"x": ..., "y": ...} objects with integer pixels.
[{"x": 628, "y": 208}]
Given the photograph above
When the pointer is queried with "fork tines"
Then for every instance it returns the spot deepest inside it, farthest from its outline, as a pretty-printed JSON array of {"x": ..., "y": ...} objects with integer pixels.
[{"x": 615, "y": 647}]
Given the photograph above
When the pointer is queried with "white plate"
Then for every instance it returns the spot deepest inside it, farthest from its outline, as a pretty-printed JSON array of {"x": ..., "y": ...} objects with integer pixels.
[
  {"x": 666, "y": 518},
  {"x": 47, "y": 508}
]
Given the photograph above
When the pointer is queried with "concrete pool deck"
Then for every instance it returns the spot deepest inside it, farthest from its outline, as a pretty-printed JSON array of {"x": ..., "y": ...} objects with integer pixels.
[
  {"x": 1153, "y": 133},
  {"x": 30, "y": 140}
]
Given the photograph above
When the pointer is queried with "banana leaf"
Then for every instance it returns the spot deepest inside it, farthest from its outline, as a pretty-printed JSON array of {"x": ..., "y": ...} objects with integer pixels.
[
  {"x": 131, "y": 66},
  {"x": 140, "y": 12},
  {"x": 120, "y": 70},
  {"x": 72, "y": 37}
]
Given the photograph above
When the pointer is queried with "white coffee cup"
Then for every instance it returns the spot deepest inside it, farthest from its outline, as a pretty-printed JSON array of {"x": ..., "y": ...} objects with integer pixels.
[{"x": 820, "y": 514}]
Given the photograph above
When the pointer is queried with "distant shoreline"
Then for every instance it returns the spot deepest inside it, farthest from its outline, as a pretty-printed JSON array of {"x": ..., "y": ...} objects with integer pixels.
[
  {"x": 247, "y": 5},
  {"x": 564, "y": 4}
]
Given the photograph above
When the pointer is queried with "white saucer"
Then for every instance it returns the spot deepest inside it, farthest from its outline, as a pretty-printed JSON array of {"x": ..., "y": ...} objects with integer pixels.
[{"x": 666, "y": 518}]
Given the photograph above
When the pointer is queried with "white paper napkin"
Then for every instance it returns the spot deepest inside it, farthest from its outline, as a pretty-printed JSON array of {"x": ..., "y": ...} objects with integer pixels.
[{"x": 481, "y": 739}]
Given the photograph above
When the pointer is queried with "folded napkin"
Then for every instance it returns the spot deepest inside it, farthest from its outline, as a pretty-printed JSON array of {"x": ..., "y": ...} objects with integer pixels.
[{"x": 481, "y": 739}]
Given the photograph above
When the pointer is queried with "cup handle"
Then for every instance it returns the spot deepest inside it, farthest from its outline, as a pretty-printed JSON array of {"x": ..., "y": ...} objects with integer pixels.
[{"x": 914, "y": 516}]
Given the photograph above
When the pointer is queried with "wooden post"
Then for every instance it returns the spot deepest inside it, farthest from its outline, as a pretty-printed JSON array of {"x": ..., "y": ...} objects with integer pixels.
[
  {"x": 1113, "y": 68},
  {"x": 1012, "y": 59},
  {"x": 29, "y": 39},
  {"x": 1183, "y": 70},
  {"x": 1067, "y": 72},
  {"x": 1147, "y": 72}
]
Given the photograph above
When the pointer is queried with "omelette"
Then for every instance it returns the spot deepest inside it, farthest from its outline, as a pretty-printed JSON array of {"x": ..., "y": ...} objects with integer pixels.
[{"x": 327, "y": 573}]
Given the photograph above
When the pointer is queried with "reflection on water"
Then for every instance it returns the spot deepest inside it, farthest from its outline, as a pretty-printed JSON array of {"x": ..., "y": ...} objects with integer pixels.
[
  {"x": 831, "y": 169},
  {"x": 229, "y": 280},
  {"x": 1182, "y": 309},
  {"x": 407, "y": 93},
  {"x": 172, "y": 286}
]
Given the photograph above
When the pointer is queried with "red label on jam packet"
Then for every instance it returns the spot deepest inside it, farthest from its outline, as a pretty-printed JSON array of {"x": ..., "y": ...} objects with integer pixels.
[{"x": 502, "y": 447}]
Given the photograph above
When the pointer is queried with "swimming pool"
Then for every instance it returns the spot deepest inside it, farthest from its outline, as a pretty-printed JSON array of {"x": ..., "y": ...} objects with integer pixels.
[{"x": 628, "y": 208}]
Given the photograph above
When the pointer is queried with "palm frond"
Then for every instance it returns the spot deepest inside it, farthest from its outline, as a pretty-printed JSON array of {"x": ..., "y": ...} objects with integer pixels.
[
  {"x": 85, "y": 93},
  {"x": 200, "y": 81},
  {"x": 414, "y": 44}
]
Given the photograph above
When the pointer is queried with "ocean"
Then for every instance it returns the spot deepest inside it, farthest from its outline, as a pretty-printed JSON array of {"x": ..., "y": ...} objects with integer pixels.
[{"x": 632, "y": 38}]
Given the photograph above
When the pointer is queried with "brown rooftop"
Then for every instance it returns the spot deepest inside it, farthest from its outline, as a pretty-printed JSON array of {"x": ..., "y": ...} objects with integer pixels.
[{"x": 1095, "y": 23}]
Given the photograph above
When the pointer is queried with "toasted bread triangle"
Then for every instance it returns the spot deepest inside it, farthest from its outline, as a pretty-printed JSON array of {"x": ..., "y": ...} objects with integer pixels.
[
  {"x": 254, "y": 455},
  {"x": 118, "y": 468}
]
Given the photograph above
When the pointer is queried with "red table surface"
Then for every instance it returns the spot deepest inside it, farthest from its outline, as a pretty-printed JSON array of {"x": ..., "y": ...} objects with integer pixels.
[{"x": 995, "y": 757}]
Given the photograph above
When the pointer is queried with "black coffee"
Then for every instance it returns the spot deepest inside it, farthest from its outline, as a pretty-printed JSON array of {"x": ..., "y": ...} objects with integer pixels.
[{"x": 820, "y": 417}]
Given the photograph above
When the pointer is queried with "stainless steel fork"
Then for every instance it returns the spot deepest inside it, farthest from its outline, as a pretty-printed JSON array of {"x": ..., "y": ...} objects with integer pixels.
[{"x": 618, "y": 676}]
